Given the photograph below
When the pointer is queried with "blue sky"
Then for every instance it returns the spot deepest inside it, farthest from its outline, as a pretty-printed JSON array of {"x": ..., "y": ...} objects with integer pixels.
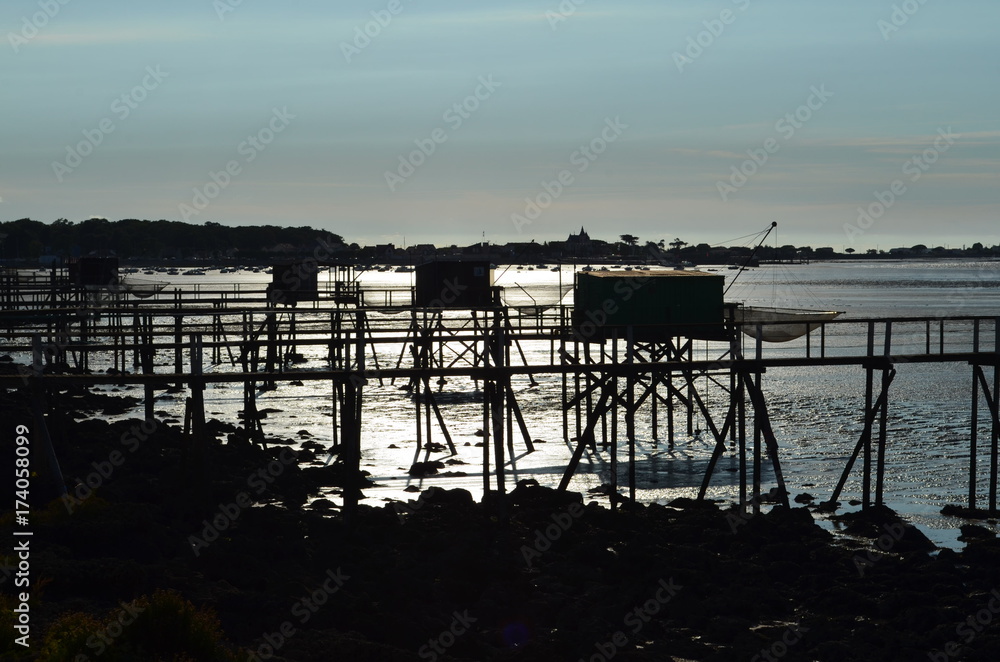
[{"x": 712, "y": 118}]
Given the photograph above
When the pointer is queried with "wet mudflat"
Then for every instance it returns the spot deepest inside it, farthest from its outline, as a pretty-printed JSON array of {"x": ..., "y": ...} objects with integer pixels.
[{"x": 223, "y": 542}]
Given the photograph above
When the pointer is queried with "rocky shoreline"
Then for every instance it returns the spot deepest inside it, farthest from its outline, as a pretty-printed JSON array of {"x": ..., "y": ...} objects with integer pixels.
[{"x": 213, "y": 537}]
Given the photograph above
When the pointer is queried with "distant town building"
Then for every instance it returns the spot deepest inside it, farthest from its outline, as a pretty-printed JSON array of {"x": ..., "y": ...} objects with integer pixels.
[
  {"x": 422, "y": 249},
  {"x": 579, "y": 244}
]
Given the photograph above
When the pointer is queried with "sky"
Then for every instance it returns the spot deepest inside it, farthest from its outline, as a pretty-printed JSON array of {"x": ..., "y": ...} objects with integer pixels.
[{"x": 857, "y": 123}]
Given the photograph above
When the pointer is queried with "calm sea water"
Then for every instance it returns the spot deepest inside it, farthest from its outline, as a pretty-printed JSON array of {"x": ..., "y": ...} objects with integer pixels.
[{"x": 816, "y": 412}]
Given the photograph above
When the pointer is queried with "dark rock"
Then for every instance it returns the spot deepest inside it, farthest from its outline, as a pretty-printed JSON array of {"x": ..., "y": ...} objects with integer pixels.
[
  {"x": 974, "y": 531},
  {"x": 439, "y": 496},
  {"x": 529, "y": 493},
  {"x": 422, "y": 469},
  {"x": 965, "y": 513},
  {"x": 877, "y": 522}
]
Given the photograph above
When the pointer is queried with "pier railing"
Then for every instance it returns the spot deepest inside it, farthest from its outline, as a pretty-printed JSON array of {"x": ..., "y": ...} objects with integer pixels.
[{"x": 113, "y": 339}]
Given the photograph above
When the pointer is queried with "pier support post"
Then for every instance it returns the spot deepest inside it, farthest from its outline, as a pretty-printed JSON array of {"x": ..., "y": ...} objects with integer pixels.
[
  {"x": 981, "y": 389},
  {"x": 864, "y": 441}
]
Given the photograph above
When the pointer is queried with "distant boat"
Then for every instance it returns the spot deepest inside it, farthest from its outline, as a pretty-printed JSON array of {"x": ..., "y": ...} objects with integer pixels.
[{"x": 781, "y": 324}]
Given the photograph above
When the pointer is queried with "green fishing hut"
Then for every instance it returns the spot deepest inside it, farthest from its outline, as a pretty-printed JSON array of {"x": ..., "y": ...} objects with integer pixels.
[{"x": 656, "y": 304}]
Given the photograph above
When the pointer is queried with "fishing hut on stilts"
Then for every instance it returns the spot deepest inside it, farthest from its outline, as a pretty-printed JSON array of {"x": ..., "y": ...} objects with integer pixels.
[
  {"x": 651, "y": 345},
  {"x": 459, "y": 321}
]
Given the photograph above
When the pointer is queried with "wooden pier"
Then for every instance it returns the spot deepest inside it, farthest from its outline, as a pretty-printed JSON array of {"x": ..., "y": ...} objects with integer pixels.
[{"x": 613, "y": 384}]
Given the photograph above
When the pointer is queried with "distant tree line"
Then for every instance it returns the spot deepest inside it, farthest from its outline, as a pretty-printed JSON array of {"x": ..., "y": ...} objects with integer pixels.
[
  {"x": 132, "y": 238},
  {"x": 27, "y": 240}
]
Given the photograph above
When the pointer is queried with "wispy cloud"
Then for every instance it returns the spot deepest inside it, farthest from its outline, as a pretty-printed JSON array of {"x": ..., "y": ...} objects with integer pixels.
[
  {"x": 122, "y": 35},
  {"x": 712, "y": 153}
]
